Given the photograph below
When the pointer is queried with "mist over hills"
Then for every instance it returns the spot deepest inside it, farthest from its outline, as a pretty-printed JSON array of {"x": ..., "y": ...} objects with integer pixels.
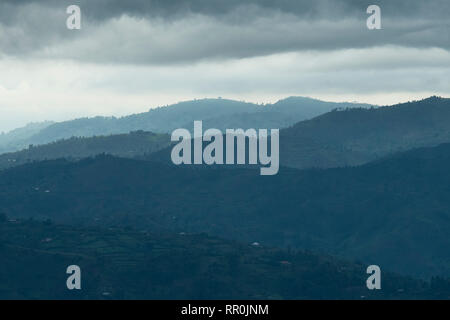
[
  {"x": 339, "y": 138},
  {"x": 373, "y": 187},
  {"x": 393, "y": 212},
  {"x": 17, "y": 139},
  {"x": 355, "y": 136},
  {"x": 312, "y": 199},
  {"x": 129, "y": 145},
  {"x": 220, "y": 113}
]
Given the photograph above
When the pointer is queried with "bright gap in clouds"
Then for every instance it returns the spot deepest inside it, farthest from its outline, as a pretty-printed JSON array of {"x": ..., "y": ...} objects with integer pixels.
[{"x": 38, "y": 90}]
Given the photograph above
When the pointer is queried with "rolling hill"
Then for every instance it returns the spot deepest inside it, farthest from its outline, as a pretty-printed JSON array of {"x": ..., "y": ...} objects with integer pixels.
[
  {"x": 17, "y": 139},
  {"x": 356, "y": 136},
  {"x": 125, "y": 264},
  {"x": 130, "y": 145},
  {"x": 222, "y": 113},
  {"x": 393, "y": 212},
  {"x": 339, "y": 138}
]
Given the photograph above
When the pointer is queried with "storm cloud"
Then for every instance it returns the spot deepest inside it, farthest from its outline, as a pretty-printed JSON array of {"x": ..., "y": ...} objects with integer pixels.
[
  {"x": 137, "y": 54},
  {"x": 171, "y": 31}
]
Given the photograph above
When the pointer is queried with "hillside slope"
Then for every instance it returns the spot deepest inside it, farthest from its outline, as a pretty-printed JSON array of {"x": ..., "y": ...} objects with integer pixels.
[
  {"x": 336, "y": 139},
  {"x": 393, "y": 212},
  {"x": 356, "y": 136},
  {"x": 17, "y": 139},
  {"x": 134, "y": 144},
  {"x": 125, "y": 264},
  {"x": 220, "y": 113}
]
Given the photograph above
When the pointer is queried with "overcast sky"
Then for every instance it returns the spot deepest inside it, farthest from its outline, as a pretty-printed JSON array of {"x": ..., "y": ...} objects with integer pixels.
[{"x": 130, "y": 55}]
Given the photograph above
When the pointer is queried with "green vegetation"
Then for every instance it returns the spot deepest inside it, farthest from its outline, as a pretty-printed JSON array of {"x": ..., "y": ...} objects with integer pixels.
[
  {"x": 357, "y": 136},
  {"x": 348, "y": 137},
  {"x": 134, "y": 144},
  {"x": 17, "y": 138},
  {"x": 394, "y": 212},
  {"x": 125, "y": 264},
  {"x": 222, "y": 113}
]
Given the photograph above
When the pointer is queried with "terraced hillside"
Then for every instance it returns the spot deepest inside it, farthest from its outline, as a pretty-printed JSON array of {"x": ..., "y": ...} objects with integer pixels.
[{"x": 126, "y": 264}]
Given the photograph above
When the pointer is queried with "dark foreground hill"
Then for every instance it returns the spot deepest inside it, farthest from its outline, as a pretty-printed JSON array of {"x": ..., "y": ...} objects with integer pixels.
[
  {"x": 394, "y": 213},
  {"x": 125, "y": 264}
]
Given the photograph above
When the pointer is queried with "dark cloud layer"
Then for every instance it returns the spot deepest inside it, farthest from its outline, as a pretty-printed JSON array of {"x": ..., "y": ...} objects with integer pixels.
[
  {"x": 194, "y": 30},
  {"x": 104, "y": 9}
]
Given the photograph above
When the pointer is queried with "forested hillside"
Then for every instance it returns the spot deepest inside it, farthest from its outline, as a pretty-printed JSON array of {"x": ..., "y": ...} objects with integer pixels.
[
  {"x": 218, "y": 113},
  {"x": 356, "y": 136},
  {"x": 393, "y": 212},
  {"x": 134, "y": 144},
  {"x": 336, "y": 139},
  {"x": 126, "y": 264}
]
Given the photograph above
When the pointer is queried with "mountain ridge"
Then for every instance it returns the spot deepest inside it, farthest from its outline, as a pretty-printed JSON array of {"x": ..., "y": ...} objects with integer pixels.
[{"x": 166, "y": 119}]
